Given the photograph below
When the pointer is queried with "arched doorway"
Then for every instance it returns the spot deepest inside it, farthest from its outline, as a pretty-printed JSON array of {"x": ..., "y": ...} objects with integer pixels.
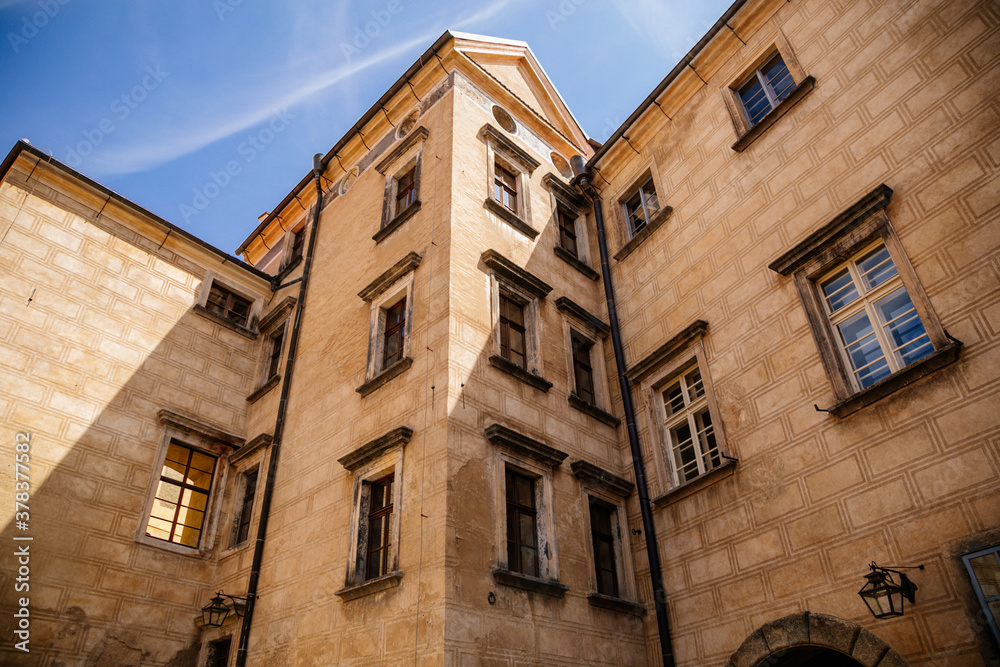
[
  {"x": 814, "y": 640},
  {"x": 809, "y": 656}
]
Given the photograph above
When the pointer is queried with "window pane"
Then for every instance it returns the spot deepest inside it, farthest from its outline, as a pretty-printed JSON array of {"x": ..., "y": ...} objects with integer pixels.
[
  {"x": 673, "y": 399},
  {"x": 684, "y": 455},
  {"x": 524, "y": 493},
  {"x": 777, "y": 76},
  {"x": 904, "y": 327},
  {"x": 696, "y": 388},
  {"x": 526, "y": 529},
  {"x": 754, "y": 101},
  {"x": 876, "y": 267},
  {"x": 840, "y": 290},
  {"x": 529, "y": 561}
]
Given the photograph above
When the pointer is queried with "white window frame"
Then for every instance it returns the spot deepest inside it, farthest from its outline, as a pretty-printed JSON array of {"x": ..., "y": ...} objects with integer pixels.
[
  {"x": 692, "y": 407},
  {"x": 865, "y": 302}
]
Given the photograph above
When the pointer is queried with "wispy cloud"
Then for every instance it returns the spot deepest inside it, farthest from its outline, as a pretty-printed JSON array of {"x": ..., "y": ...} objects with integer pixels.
[
  {"x": 147, "y": 145},
  {"x": 658, "y": 24}
]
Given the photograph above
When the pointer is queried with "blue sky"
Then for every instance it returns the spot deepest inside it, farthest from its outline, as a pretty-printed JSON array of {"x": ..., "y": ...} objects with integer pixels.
[{"x": 153, "y": 99}]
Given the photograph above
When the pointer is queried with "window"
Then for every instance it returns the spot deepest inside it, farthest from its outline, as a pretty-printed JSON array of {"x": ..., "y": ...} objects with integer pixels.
[
  {"x": 505, "y": 188},
  {"x": 391, "y": 300},
  {"x": 406, "y": 191},
  {"x": 379, "y": 526},
  {"x": 879, "y": 330},
  {"x": 640, "y": 207},
  {"x": 218, "y": 652},
  {"x": 515, "y": 297},
  {"x": 567, "y": 232},
  {"x": 377, "y": 468},
  {"x": 298, "y": 241},
  {"x": 688, "y": 427},
  {"x": 512, "y": 333},
  {"x": 527, "y": 557},
  {"x": 395, "y": 330},
  {"x": 767, "y": 86},
  {"x": 509, "y": 168},
  {"x": 765, "y": 90},
  {"x": 228, "y": 305},
  {"x": 683, "y": 414},
  {"x": 604, "y": 495},
  {"x": 875, "y": 328},
  {"x": 583, "y": 373},
  {"x": 401, "y": 168},
  {"x": 277, "y": 341},
  {"x": 984, "y": 571},
  {"x": 603, "y": 539},
  {"x": 245, "y": 514},
  {"x": 182, "y": 495},
  {"x": 585, "y": 361},
  {"x": 522, "y": 524}
]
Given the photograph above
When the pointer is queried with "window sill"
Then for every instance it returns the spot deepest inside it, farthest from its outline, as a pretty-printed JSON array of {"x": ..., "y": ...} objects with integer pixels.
[
  {"x": 241, "y": 330},
  {"x": 530, "y": 584},
  {"x": 615, "y": 604},
  {"x": 163, "y": 545},
  {"x": 897, "y": 381},
  {"x": 370, "y": 587},
  {"x": 726, "y": 469},
  {"x": 264, "y": 388},
  {"x": 594, "y": 411},
  {"x": 396, "y": 222},
  {"x": 576, "y": 263},
  {"x": 511, "y": 219},
  {"x": 644, "y": 233},
  {"x": 384, "y": 376},
  {"x": 774, "y": 114},
  {"x": 509, "y": 367}
]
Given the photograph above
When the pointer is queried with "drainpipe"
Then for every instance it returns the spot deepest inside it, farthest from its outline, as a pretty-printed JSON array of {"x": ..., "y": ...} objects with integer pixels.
[
  {"x": 279, "y": 425},
  {"x": 582, "y": 179}
]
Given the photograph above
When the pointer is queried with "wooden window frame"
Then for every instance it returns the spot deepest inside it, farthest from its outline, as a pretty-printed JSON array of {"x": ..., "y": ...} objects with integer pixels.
[
  {"x": 184, "y": 490},
  {"x": 503, "y": 153},
  {"x": 230, "y": 299},
  {"x": 394, "y": 285},
  {"x": 515, "y": 512},
  {"x": 247, "y": 495},
  {"x": 981, "y": 598},
  {"x": 382, "y": 516},
  {"x": 404, "y": 159},
  {"x": 648, "y": 213}
]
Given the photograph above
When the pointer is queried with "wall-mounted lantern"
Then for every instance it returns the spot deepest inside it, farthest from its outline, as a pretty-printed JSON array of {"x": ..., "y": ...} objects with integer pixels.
[
  {"x": 215, "y": 612},
  {"x": 883, "y": 595}
]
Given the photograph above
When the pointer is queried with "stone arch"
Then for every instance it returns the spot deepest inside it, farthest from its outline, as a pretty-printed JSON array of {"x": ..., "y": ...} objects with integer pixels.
[{"x": 770, "y": 644}]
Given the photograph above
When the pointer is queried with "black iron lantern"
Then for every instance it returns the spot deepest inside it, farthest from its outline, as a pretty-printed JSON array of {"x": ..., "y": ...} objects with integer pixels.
[
  {"x": 214, "y": 614},
  {"x": 883, "y": 595}
]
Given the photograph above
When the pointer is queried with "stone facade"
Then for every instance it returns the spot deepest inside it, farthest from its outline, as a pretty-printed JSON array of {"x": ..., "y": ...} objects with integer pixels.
[{"x": 114, "y": 350}]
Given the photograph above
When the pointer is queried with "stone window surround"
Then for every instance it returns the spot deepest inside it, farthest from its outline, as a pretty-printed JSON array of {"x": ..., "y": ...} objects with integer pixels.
[
  {"x": 268, "y": 326},
  {"x": 590, "y": 327},
  {"x": 563, "y": 196},
  {"x": 393, "y": 284},
  {"x": 408, "y": 153},
  {"x": 629, "y": 241},
  {"x": 372, "y": 461},
  {"x": 248, "y": 331},
  {"x": 653, "y": 373},
  {"x": 611, "y": 490},
  {"x": 501, "y": 149},
  {"x": 537, "y": 460},
  {"x": 204, "y": 438},
  {"x": 857, "y": 226},
  {"x": 249, "y": 456},
  {"x": 745, "y": 133},
  {"x": 521, "y": 286}
]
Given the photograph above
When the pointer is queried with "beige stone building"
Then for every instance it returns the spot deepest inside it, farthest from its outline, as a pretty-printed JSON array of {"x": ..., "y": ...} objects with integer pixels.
[{"x": 455, "y": 413}]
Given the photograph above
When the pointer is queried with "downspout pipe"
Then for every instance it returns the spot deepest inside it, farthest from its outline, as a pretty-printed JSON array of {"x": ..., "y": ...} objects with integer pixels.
[
  {"x": 645, "y": 507},
  {"x": 279, "y": 424}
]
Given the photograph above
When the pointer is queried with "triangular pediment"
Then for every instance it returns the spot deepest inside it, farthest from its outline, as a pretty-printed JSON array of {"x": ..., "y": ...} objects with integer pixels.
[{"x": 511, "y": 65}]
